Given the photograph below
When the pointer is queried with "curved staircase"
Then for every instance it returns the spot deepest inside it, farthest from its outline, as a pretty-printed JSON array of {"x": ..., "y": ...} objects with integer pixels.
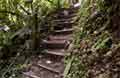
[{"x": 51, "y": 63}]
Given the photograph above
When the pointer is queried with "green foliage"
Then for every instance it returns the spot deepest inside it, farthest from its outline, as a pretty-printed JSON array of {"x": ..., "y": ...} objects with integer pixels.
[
  {"x": 25, "y": 20},
  {"x": 74, "y": 68},
  {"x": 18, "y": 14},
  {"x": 68, "y": 67},
  {"x": 93, "y": 36}
]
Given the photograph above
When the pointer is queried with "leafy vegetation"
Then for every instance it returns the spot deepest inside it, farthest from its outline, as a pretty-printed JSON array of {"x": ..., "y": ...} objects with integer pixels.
[
  {"x": 22, "y": 23},
  {"x": 96, "y": 41},
  {"x": 96, "y": 37}
]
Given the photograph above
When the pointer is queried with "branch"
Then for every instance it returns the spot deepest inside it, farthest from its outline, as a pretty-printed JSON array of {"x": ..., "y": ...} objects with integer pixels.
[
  {"x": 9, "y": 12},
  {"x": 24, "y": 9}
]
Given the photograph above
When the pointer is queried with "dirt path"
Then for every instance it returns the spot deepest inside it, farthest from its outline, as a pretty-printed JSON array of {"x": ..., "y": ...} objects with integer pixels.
[{"x": 51, "y": 63}]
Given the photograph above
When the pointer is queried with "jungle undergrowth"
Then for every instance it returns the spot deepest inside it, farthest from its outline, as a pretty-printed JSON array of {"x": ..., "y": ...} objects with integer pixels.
[{"x": 93, "y": 38}]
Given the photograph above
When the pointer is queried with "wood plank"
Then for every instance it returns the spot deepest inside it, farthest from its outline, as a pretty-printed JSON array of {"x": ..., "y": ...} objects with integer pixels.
[
  {"x": 30, "y": 74},
  {"x": 48, "y": 68}
]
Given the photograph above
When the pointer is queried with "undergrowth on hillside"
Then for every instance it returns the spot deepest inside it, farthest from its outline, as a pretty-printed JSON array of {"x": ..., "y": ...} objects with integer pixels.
[{"x": 96, "y": 41}]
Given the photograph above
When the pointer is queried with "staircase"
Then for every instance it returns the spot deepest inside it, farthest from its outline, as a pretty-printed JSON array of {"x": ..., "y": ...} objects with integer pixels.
[{"x": 51, "y": 63}]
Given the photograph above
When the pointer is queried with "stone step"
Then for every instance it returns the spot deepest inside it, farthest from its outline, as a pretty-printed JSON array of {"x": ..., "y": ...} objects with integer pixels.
[
  {"x": 54, "y": 44},
  {"x": 60, "y": 37}
]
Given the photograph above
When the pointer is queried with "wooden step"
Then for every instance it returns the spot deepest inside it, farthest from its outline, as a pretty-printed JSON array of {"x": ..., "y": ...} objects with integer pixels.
[
  {"x": 62, "y": 26},
  {"x": 73, "y": 11},
  {"x": 63, "y": 16},
  {"x": 69, "y": 11},
  {"x": 30, "y": 74},
  {"x": 66, "y": 22},
  {"x": 40, "y": 71},
  {"x": 64, "y": 31},
  {"x": 60, "y": 37},
  {"x": 55, "y": 44},
  {"x": 57, "y": 18},
  {"x": 56, "y": 52},
  {"x": 77, "y": 5},
  {"x": 62, "y": 20},
  {"x": 48, "y": 68},
  {"x": 66, "y": 12},
  {"x": 51, "y": 63}
]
